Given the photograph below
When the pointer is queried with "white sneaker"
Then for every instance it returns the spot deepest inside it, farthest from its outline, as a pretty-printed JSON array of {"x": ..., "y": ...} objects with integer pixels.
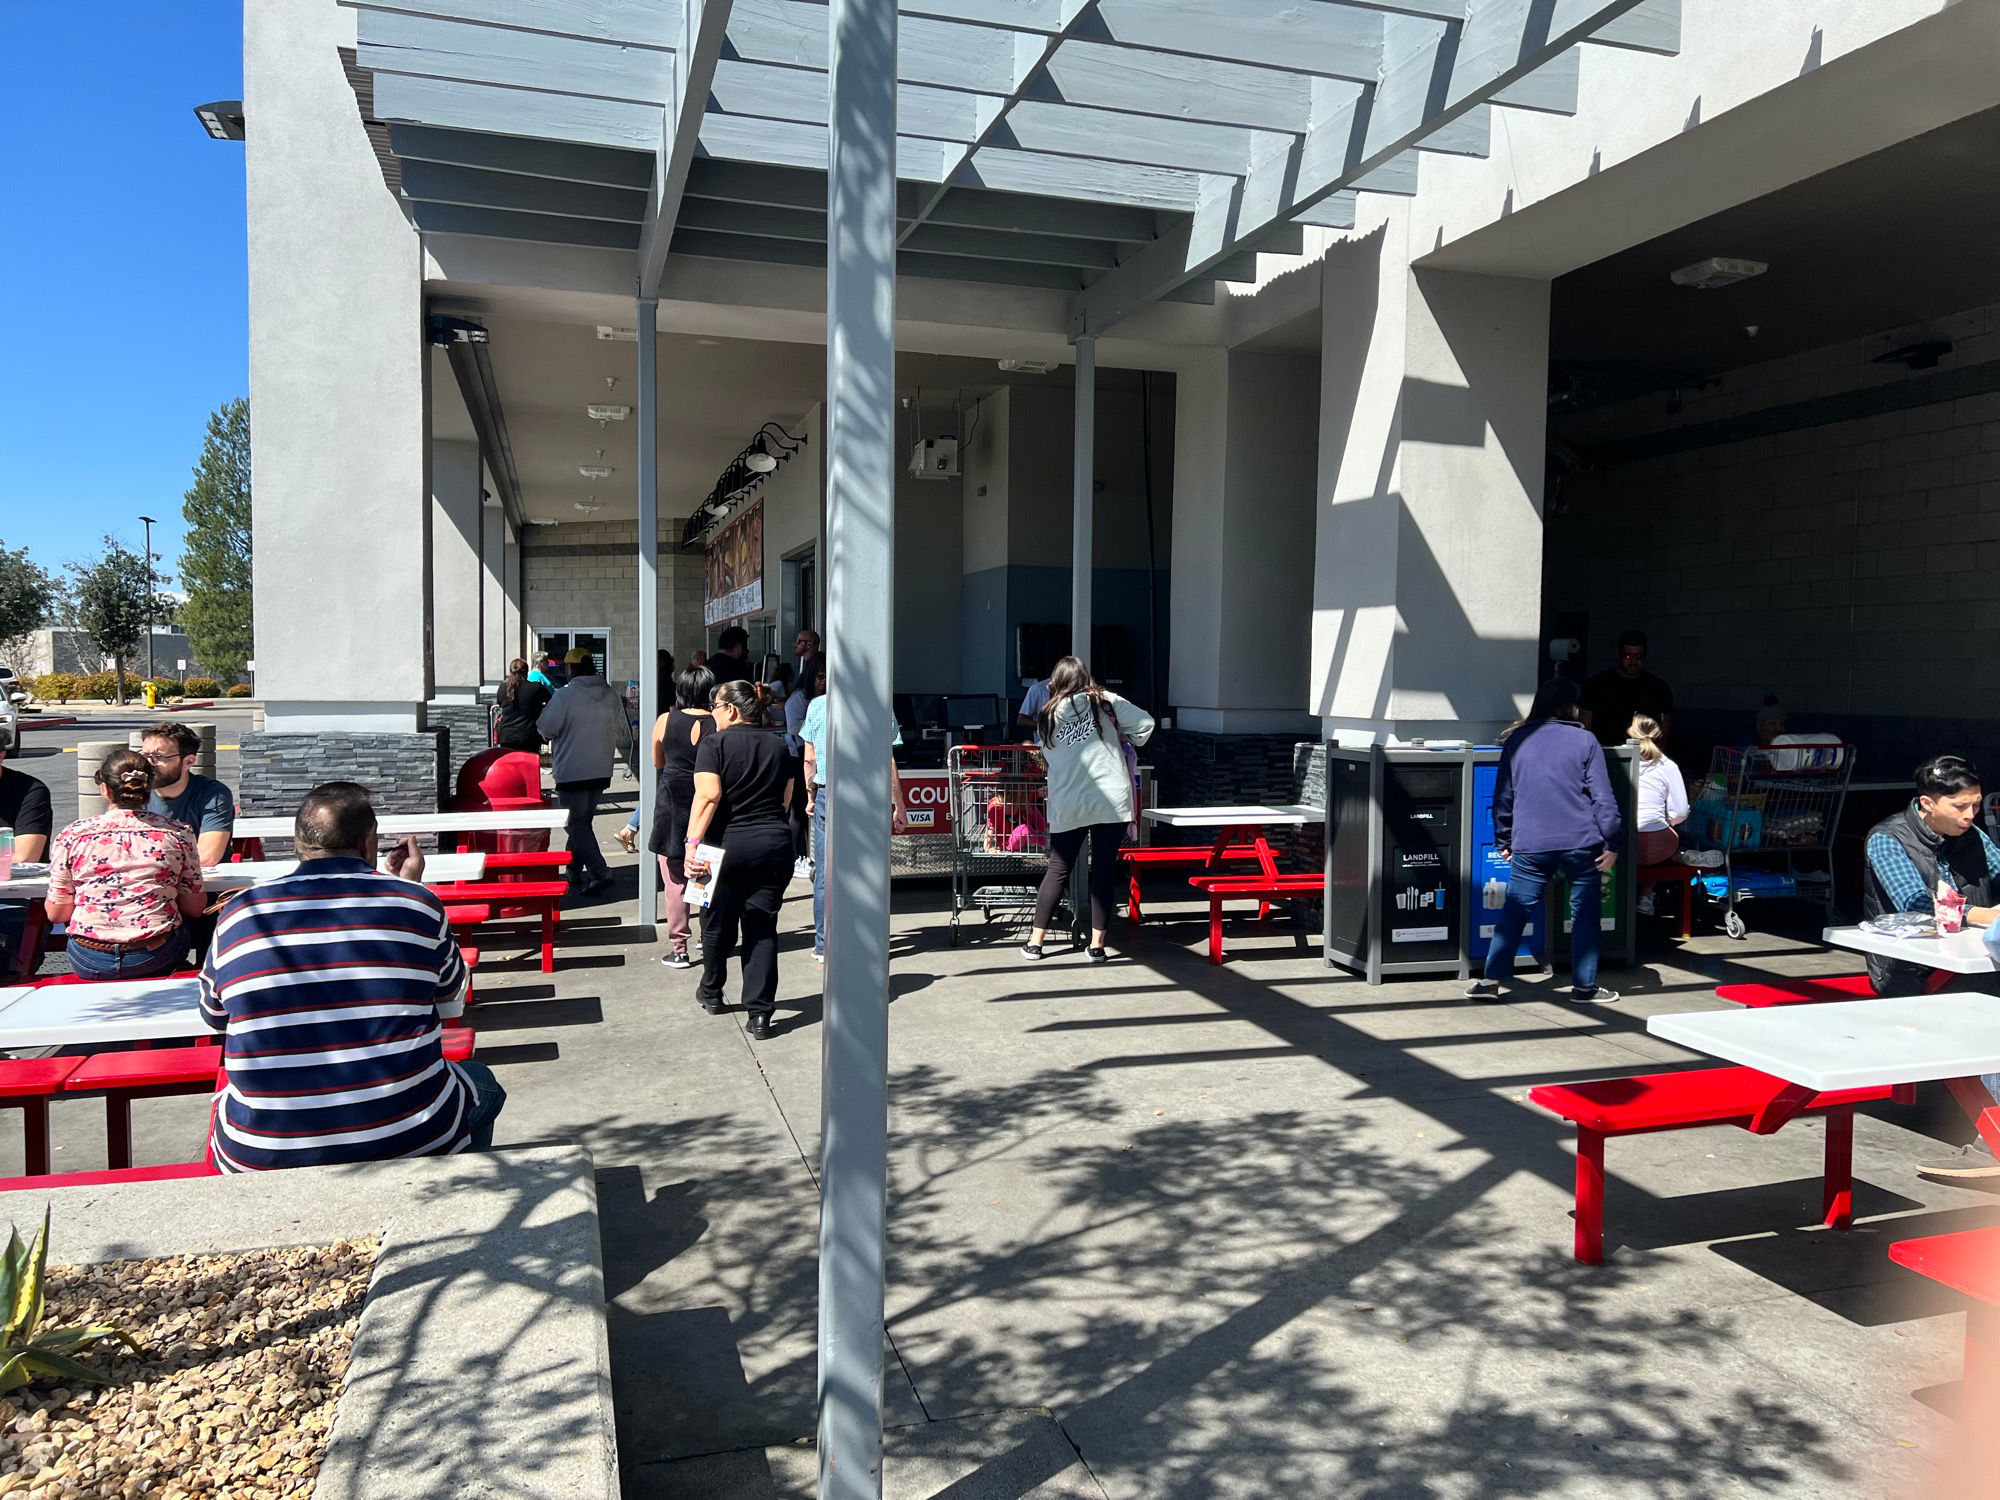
[
  {"x": 1701, "y": 859},
  {"x": 802, "y": 869},
  {"x": 1645, "y": 906}
]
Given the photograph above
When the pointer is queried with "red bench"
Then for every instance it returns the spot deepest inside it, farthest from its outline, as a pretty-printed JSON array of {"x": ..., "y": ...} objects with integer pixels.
[
  {"x": 510, "y": 861},
  {"x": 1676, "y": 875},
  {"x": 1797, "y": 991},
  {"x": 1967, "y": 1262},
  {"x": 158, "y": 1073},
  {"x": 1141, "y": 858},
  {"x": 472, "y": 904},
  {"x": 26, "y": 1084},
  {"x": 1743, "y": 1097},
  {"x": 172, "y": 1172},
  {"x": 1263, "y": 888}
]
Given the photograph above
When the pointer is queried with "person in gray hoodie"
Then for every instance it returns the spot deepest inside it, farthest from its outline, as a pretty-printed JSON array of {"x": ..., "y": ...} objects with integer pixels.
[
  {"x": 585, "y": 726},
  {"x": 1084, "y": 731}
]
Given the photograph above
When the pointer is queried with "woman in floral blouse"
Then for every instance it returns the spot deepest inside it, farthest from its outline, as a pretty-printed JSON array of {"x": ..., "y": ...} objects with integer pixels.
[{"x": 123, "y": 882}]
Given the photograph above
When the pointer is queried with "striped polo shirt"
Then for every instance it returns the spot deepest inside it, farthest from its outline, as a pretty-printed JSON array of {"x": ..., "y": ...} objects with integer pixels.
[{"x": 331, "y": 986}]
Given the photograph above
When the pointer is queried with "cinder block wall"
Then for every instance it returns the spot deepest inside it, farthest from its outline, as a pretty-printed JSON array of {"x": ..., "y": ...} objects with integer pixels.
[
  {"x": 586, "y": 574},
  {"x": 1822, "y": 527}
]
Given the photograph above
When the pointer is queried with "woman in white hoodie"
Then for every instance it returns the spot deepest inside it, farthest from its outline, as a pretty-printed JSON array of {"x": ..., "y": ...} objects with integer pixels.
[
  {"x": 1084, "y": 730},
  {"x": 1663, "y": 803}
]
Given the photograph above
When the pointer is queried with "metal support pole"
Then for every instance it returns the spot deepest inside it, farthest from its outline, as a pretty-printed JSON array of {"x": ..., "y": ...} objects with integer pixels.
[
  {"x": 860, "y": 627},
  {"x": 647, "y": 402},
  {"x": 1083, "y": 493},
  {"x": 150, "y": 596}
]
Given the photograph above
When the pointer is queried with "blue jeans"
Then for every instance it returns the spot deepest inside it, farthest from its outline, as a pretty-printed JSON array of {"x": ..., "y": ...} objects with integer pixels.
[
  {"x": 487, "y": 1097},
  {"x": 819, "y": 870},
  {"x": 165, "y": 959},
  {"x": 1527, "y": 879}
]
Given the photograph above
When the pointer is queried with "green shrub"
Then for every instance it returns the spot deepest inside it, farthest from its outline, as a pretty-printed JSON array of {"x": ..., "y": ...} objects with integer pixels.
[
  {"x": 203, "y": 687},
  {"x": 104, "y": 687},
  {"x": 241, "y": 690},
  {"x": 55, "y": 687}
]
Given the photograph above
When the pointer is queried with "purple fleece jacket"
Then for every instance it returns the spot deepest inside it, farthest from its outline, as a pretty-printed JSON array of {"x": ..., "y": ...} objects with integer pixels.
[{"x": 1553, "y": 791}]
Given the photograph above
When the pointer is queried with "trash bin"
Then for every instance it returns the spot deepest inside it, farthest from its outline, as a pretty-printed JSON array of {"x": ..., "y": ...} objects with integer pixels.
[{"x": 1396, "y": 824}]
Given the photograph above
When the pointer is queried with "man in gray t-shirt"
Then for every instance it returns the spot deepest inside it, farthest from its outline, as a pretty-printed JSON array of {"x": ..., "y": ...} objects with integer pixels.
[{"x": 201, "y": 804}]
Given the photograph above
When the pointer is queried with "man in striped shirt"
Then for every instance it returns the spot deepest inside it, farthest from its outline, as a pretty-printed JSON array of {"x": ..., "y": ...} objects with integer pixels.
[{"x": 331, "y": 987}]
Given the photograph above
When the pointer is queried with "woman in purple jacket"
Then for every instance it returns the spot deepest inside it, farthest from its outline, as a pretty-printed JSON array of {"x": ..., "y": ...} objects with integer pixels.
[{"x": 1553, "y": 813}]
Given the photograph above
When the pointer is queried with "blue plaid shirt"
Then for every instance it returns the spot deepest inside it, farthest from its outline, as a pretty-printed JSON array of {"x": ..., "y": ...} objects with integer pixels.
[{"x": 1899, "y": 877}]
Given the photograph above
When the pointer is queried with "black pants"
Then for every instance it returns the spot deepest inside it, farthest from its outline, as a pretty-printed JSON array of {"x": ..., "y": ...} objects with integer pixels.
[
  {"x": 1064, "y": 848},
  {"x": 746, "y": 904}
]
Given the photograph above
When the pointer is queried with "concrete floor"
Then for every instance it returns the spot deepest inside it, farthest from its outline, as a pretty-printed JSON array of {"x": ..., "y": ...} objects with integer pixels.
[{"x": 1162, "y": 1229}]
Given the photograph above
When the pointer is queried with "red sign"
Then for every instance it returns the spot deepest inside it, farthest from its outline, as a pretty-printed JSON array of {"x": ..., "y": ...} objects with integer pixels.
[{"x": 926, "y": 801}]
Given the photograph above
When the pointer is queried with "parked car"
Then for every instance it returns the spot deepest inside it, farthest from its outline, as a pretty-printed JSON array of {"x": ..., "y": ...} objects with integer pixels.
[{"x": 12, "y": 689}]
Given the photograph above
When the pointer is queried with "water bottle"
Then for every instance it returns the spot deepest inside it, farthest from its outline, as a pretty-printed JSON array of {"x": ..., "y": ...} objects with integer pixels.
[{"x": 6, "y": 853}]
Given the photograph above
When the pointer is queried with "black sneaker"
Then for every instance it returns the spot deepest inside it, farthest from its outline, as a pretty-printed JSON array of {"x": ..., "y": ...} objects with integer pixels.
[
  {"x": 676, "y": 957},
  {"x": 1483, "y": 989},
  {"x": 1595, "y": 995},
  {"x": 1032, "y": 952},
  {"x": 1098, "y": 955},
  {"x": 1972, "y": 1165}
]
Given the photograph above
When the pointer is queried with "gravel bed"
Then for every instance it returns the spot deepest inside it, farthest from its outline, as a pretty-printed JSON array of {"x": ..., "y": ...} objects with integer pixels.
[{"x": 235, "y": 1396}]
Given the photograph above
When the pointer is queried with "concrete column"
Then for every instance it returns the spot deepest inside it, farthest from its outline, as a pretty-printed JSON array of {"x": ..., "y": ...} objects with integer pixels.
[
  {"x": 337, "y": 394},
  {"x": 1433, "y": 425},
  {"x": 512, "y": 637},
  {"x": 1245, "y": 455},
  {"x": 493, "y": 650},
  {"x": 457, "y": 571}
]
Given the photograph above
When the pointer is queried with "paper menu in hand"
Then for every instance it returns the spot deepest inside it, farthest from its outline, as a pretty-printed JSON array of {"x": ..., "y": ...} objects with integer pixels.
[{"x": 701, "y": 890}]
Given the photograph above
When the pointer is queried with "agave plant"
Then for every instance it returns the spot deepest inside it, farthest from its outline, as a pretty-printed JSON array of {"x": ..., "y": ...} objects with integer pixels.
[{"x": 26, "y": 1353}]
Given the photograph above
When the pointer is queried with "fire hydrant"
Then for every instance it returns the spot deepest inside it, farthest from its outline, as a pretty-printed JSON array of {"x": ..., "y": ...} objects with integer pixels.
[{"x": 152, "y": 695}]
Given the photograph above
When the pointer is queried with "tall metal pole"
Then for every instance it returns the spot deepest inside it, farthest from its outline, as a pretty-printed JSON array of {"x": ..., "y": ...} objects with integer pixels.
[
  {"x": 647, "y": 401},
  {"x": 1083, "y": 491},
  {"x": 149, "y": 597},
  {"x": 860, "y": 525}
]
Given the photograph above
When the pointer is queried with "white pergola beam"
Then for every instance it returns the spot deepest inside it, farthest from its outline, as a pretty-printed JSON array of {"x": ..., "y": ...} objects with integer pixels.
[
  {"x": 1431, "y": 73},
  {"x": 775, "y": 93},
  {"x": 703, "y": 24},
  {"x": 1335, "y": 40},
  {"x": 424, "y": 46},
  {"x": 643, "y": 23},
  {"x": 571, "y": 118}
]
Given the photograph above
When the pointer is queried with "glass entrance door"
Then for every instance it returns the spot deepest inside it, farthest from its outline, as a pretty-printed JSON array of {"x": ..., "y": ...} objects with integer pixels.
[{"x": 560, "y": 642}]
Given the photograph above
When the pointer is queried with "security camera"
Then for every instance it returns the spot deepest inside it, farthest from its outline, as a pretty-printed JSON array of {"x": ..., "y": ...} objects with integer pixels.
[{"x": 1564, "y": 648}]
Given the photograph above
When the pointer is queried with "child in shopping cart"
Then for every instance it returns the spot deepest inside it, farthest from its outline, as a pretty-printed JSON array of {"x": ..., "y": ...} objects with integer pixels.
[{"x": 1017, "y": 822}]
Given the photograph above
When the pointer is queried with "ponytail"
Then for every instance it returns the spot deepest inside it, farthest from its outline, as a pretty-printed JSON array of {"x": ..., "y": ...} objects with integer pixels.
[{"x": 1647, "y": 732}]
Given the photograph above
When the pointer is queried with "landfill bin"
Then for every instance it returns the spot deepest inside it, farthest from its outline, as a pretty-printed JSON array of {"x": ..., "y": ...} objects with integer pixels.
[{"x": 1396, "y": 834}]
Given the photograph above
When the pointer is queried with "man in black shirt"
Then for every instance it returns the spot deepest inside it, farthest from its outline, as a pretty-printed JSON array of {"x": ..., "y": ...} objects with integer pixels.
[
  {"x": 1611, "y": 698},
  {"x": 24, "y": 809},
  {"x": 731, "y": 661},
  {"x": 24, "y": 806}
]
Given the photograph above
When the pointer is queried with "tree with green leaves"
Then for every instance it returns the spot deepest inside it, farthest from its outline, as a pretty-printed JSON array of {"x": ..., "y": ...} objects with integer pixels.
[
  {"x": 215, "y": 557},
  {"x": 116, "y": 600},
  {"x": 28, "y": 596}
]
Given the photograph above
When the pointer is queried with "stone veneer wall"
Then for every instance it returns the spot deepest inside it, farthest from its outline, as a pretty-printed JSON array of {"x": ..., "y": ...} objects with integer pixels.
[
  {"x": 405, "y": 771},
  {"x": 468, "y": 730}
]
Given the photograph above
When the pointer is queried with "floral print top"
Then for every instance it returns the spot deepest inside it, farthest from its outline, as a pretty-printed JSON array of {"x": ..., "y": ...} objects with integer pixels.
[{"x": 124, "y": 871}]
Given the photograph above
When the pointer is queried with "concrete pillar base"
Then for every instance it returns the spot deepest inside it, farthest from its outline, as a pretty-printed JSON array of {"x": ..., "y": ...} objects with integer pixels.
[{"x": 405, "y": 771}]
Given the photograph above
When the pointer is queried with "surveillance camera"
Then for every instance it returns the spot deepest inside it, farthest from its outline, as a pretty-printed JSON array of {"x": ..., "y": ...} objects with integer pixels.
[{"x": 1564, "y": 648}]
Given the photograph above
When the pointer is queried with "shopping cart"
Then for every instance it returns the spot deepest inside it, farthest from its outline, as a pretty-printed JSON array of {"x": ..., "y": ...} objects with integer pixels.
[
  {"x": 1760, "y": 810},
  {"x": 999, "y": 830}
]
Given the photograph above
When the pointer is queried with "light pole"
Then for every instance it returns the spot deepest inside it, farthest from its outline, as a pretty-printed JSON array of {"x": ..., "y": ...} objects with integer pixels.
[{"x": 149, "y": 596}]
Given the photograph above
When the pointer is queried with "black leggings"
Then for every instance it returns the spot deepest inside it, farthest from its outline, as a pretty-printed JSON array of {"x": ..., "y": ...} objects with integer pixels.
[{"x": 1064, "y": 848}]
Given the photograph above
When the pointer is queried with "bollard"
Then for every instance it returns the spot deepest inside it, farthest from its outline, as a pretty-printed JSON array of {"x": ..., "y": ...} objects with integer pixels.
[{"x": 89, "y": 756}]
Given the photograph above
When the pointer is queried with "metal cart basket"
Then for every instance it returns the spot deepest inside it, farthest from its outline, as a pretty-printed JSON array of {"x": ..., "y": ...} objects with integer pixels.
[
  {"x": 1760, "y": 809},
  {"x": 1000, "y": 830}
]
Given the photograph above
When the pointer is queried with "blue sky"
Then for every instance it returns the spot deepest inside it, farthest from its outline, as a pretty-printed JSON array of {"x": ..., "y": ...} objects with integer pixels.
[{"x": 126, "y": 310}]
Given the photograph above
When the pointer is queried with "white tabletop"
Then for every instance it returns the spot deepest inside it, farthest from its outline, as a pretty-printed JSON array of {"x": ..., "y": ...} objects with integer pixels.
[
  {"x": 125, "y": 1010},
  {"x": 397, "y": 824},
  {"x": 1234, "y": 817},
  {"x": 1962, "y": 952},
  {"x": 439, "y": 869},
  {"x": 1855, "y": 1044}
]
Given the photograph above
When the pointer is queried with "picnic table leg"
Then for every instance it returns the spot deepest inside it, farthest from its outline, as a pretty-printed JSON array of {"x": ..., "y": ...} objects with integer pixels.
[
  {"x": 1589, "y": 1196},
  {"x": 1978, "y": 1104},
  {"x": 117, "y": 1130},
  {"x": 1215, "y": 927},
  {"x": 1687, "y": 910},
  {"x": 34, "y": 936},
  {"x": 1132, "y": 903},
  {"x": 35, "y": 1133},
  {"x": 549, "y": 938},
  {"x": 1837, "y": 1198}
]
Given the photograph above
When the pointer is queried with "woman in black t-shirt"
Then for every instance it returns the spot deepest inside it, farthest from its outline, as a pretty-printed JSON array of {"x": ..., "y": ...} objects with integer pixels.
[
  {"x": 742, "y": 788},
  {"x": 522, "y": 700}
]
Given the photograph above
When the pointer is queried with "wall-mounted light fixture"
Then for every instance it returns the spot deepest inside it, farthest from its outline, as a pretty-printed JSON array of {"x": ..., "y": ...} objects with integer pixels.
[{"x": 769, "y": 447}]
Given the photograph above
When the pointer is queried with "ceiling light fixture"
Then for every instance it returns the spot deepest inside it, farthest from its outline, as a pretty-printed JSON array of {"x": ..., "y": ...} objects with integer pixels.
[
  {"x": 1717, "y": 271},
  {"x": 617, "y": 335},
  {"x": 595, "y": 471},
  {"x": 601, "y": 413},
  {"x": 587, "y": 506},
  {"x": 1027, "y": 366},
  {"x": 541, "y": 520}
]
